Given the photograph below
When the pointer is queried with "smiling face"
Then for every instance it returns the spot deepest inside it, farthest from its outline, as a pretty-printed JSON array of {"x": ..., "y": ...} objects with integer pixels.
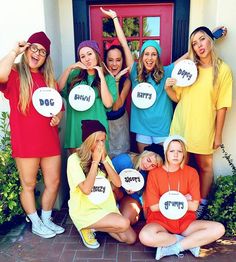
[
  {"x": 150, "y": 57},
  {"x": 88, "y": 57},
  {"x": 114, "y": 61},
  {"x": 35, "y": 59},
  {"x": 201, "y": 45}
]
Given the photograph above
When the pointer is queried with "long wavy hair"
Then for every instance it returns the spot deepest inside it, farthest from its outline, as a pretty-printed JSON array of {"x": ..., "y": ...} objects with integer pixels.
[
  {"x": 83, "y": 74},
  {"x": 137, "y": 158},
  {"x": 157, "y": 73},
  {"x": 85, "y": 153},
  {"x": 120, "y": 48},
  {"x": 215, "y": 60},
  {"x": 26, "y": 81}
]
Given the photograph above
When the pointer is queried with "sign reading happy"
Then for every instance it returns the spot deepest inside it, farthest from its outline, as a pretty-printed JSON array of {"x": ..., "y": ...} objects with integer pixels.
[
  {"x": 173, "y": 205},
  {"x": 185, "y": 73},
  {"x": 47, "y": 101},
  {"x": 131, "y": 179},
  {"x": 82, "y": 97},
  {"x": 143, "y": 95}
]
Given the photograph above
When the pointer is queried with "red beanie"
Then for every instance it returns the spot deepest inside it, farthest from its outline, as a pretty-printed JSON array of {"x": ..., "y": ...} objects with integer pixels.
[
  {"x": 91, "y": 126},
  {"x": 42, "y": 39}
]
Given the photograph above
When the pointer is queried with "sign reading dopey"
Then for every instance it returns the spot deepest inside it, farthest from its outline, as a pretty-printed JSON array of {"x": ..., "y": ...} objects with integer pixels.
[
  {"x": 185, "y": 73},
  {"x": 173, "y": 205},
  {"x": 143, "y": 95},
  {"x": 47, "y": 101},
  {"x": 82, "y": 97},
  {"x": 131, "y": 179}
]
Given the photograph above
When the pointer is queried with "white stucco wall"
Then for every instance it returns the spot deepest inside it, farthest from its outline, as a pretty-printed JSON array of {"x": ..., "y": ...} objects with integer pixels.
[{"x": 213, "y": 13}]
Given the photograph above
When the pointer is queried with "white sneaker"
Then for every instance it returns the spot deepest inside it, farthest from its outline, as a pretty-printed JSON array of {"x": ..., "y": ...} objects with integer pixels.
[
  {"x": 52, "y": 226},
  {"x": 167, "y": 251},
  {"x": 41, "y": 230}
]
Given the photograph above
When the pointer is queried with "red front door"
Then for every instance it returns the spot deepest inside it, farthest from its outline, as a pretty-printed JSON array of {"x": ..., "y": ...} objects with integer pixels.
[{"x": 140, "y": 22}]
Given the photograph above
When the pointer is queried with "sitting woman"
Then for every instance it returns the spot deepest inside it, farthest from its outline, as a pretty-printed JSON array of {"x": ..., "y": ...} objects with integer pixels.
[
  {"x": 90, "y": 211},
  {"x": 130, "y": 203},
  {"x": 172, "y": 235}
]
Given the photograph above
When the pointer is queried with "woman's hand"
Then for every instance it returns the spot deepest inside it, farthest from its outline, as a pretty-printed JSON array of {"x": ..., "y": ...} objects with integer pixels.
[
  {"x": 109, "y": 12},
  {"x": 99, "y": 70},
  {"x": 170, "y": 82},
  {"x": 20, "y": 47},
  {"x": 79, "y": 65},
  {"x": 56, "y": 119},
  {"x": 121, "y": 73},
  {"x": 98, "y": 152}
]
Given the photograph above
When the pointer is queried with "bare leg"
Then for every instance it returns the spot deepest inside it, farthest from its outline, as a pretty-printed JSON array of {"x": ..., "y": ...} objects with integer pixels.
[
  {"x": 205, "y": 165},
  {"x": 130, "y": 208},
  {"x": 201, "y": 232},
  {"x": 51, "y": 168},
  {"x": 117, "y": 226},
  {"x": 155, "y": 235},
  {"x": 28, "y": 169}
]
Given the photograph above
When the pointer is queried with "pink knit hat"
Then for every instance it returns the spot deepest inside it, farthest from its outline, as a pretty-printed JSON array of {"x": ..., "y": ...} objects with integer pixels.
[
  {"x": 42, "y": 39},
  {"x": 89, "y": 43}
]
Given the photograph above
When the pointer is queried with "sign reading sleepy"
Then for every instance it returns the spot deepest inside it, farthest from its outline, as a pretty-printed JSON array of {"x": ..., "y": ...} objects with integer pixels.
[
  {"x": 185, "y": 73},
  {"x": 100, "y": 191},
  {"x": 82, "y": 97},
  {"x": 173, "y": 205},
  {"x": 143, "y": 95},
  {"x": 47, "y": 101},
  {"x": 131, "y": 179}
]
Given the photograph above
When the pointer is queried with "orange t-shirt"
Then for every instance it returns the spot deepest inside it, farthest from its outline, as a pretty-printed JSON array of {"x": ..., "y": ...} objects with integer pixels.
[{"x": 158, "y": 184}]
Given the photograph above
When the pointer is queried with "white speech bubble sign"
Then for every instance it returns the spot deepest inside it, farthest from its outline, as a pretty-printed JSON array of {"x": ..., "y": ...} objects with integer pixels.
[
  {"x": 47, "y": 101},
  {"x": 131, "y": 179},
  {"x": 82, "y": 97},
  {"x": 100, "y": 191},
  {"x": 173, "y": 205},
  {"x": 185, "y": 73},
  {"x": 143, "y": 95}
]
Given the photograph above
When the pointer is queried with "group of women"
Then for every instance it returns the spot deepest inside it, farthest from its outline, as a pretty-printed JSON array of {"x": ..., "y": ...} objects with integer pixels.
[{"x": 98, "y": 138}]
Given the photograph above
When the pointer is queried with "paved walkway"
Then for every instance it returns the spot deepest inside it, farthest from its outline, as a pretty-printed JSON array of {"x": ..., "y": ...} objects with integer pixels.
[{"x": 20, "y": 245}]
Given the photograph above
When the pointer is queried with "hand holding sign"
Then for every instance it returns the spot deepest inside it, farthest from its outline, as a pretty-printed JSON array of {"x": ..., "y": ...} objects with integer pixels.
[
  {"x": 185, "y": 73},
  {"x": 100, "y": 191},
  {"x": 143, "y": 95},
  {"x": 131, "y": 180},
  {"x": 47, "y": 101},
  {"x": 173, "y": 205},
  {"x": 81, "y": 97}
]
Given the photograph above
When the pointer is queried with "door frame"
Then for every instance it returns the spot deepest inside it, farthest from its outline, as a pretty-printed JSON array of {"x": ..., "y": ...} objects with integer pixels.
[{"x": 180, "y": 21}]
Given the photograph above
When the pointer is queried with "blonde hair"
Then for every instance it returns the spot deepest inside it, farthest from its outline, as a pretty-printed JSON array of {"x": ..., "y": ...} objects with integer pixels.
[
  {"x": 157, "y": 74},
  {"x": 26, "y": 81},
  {"x": 137, "y": 158},
  {"x": 215, "y": 60},
  {"x": 184, "y": 152},
  {"x": 85, "y": 152}
]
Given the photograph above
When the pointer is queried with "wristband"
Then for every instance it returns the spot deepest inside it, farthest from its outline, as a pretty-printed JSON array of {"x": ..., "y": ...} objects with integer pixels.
[
  {"x": 114, "y": 17},
  {"x": 105, "y": 161},
  {"x": 95, "y": 162}
]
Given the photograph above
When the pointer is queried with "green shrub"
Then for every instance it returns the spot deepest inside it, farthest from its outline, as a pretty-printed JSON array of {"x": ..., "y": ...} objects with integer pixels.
[
  {"x": 222, "y": 205},
  {"x": 9, "y": 178}
]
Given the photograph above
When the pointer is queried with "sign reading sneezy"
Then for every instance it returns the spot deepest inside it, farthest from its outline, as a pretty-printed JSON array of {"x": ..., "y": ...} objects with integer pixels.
[{"x": 131, "y": 179}]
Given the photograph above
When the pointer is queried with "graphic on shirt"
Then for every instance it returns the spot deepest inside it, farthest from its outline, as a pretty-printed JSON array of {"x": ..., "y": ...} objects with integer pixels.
[
  {"x": 143, "y": 95},
  {"x": 173, "y": 205},
  {"x": 100, "y": 191},
  {"x": 185, "y": 73},
  {"x": 131, "y": 179},
  {"x": 82, "y": 97},
  {"x": 47, "y": 101}
]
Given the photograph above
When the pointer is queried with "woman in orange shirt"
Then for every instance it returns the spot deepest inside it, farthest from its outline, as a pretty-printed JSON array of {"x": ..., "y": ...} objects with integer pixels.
[{"x": 173, "y": 235}]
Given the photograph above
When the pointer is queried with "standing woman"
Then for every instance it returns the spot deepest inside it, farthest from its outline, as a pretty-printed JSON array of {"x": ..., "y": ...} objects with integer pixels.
[
  {"x": 118, "y": 119},
  {"x": 168, "y": 233},
  {"x": 200, "y": 113},
  {"x": 152, "y": 124},
  {"x": 90, "y": 71},
  {"x": 34, "y": 138},
  {"x": 130, "y": 203},
  {"x": 84, "y": 167}
]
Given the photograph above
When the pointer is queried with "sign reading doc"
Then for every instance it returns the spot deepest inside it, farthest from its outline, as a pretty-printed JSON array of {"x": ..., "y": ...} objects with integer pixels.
[
  {"x": 173, "y": 205},
  {"x": 185, "y": 73},
  {"x": 131, "y": 179},
  {"x": 81, "y": 97},
  {"x": 143, "y": 95},
  {"x": 47, "y": 101},
  {"x": 100, "y": 191}
]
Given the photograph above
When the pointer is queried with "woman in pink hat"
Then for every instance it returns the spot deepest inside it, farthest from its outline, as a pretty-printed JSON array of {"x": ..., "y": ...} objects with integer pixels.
[
  {"x": 90, "y": 72},
  {"x": 34, "y": 137}
]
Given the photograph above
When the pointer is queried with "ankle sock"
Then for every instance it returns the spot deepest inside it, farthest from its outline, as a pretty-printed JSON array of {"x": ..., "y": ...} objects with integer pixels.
[
  {"x": 45, "y": 215},
  {"x": 34, "y": 218}
]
